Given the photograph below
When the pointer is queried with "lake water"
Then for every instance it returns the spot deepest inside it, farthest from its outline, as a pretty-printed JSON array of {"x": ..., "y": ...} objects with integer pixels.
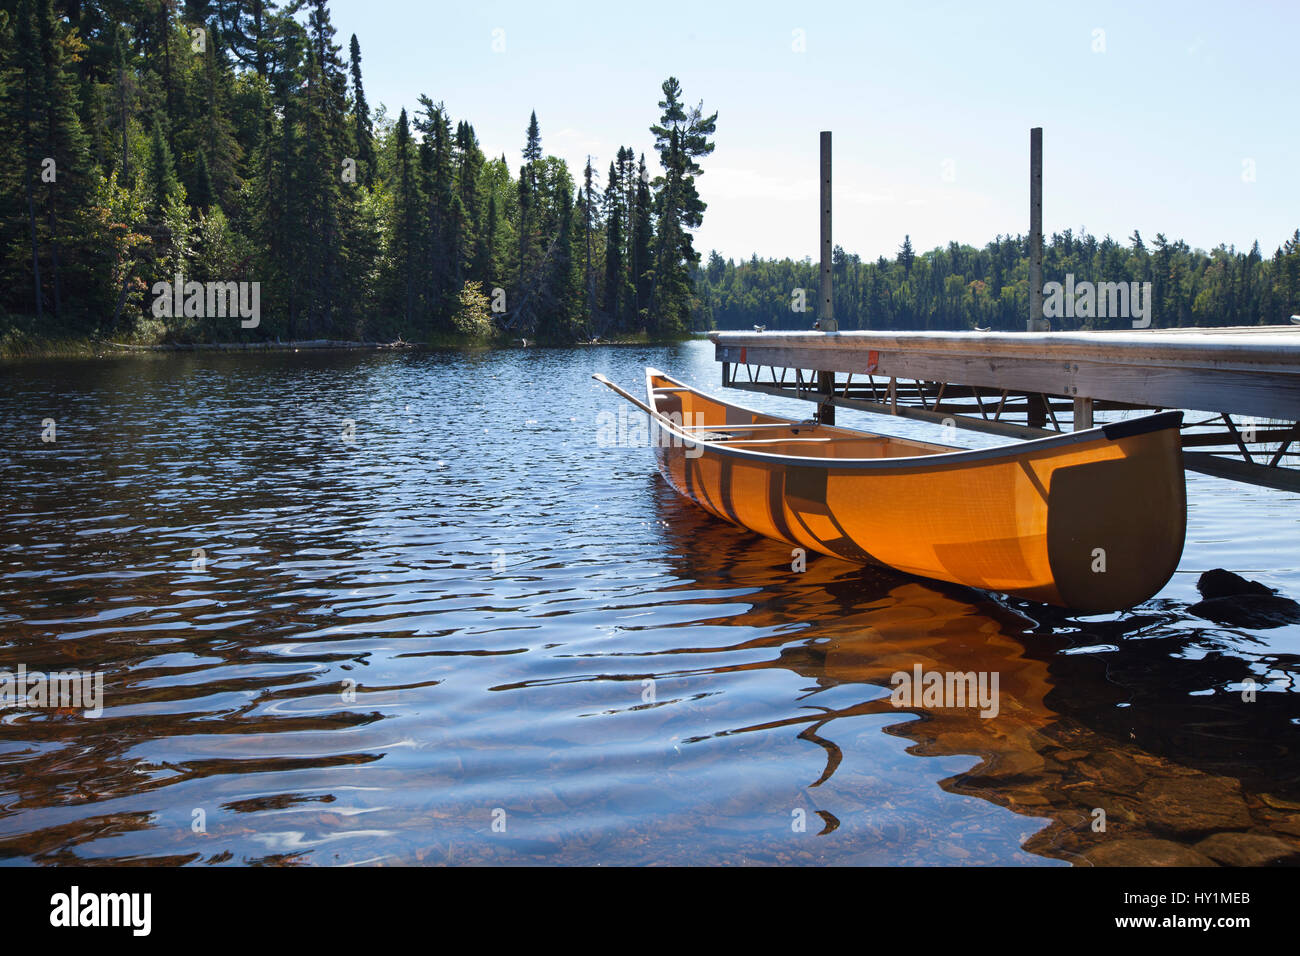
[{"x": 459, "y": 631}]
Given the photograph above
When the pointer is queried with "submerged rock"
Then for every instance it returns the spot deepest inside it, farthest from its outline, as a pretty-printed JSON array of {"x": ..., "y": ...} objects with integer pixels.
[
  {"x": 1248, "y": 849},
  {"x": 1147, "y": 853},
  {"x": 1235, "y": 601},
  {"x": 1219, "y": 583},
  {"x": 1195, "y": 804}
]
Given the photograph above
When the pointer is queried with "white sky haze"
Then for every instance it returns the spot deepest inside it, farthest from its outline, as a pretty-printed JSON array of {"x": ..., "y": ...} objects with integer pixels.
[{"x": 1177, "y": 117}]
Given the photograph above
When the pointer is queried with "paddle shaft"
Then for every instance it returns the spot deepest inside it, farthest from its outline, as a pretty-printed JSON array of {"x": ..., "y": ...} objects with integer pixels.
[{"x": 631, "y": 398}]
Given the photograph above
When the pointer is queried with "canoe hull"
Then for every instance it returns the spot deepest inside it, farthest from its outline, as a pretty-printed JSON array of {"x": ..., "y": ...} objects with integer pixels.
[{"x": 1091, "y": 525}]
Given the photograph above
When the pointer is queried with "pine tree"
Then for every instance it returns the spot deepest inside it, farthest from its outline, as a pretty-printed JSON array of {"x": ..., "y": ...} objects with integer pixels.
[
  {"x": 123, "y": 87},
  {"x": 163, "y": 182},
  {"x": 525, "y": 205},
  {"x": 249, "y": 28},
  {"x": 533, "y": 146},
  {"x": 532, "y": 153},
  {"x": 24, "y": 116},
  {"x": 215, "y": 135},
  {"x": 588, "y": 277},
  {"x": 324, "y": 146},
  {"x": 202, "y": 198},
  {"x": 906, "y": 256},
  {"x": 613, "y": 245},
  {"x": 490, "y": 272},
  {"x": 55, "y": 159},
  {"x": 362, "y": 127},
  {"x": 403, "y": 238},
  {"x": 640, "y": 243},
  {"x": 472, "y": 251},
  {"x": 681, "y": 137},
  {"x": 441, "y": 226}
]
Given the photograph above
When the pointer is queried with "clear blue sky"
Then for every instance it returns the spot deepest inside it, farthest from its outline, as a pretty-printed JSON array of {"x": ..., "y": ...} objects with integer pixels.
[{"x": 930, "y": 103}]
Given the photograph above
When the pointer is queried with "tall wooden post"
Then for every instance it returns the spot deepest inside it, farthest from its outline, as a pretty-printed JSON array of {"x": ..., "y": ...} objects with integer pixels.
[
  {"x": 1037, "y": 404},
  {"x": 825, "y": 305},
  {"x": 1036, "y": 320}
]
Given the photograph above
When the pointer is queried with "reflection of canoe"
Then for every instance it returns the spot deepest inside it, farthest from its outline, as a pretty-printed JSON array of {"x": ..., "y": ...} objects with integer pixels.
[
  {"x": 1090, "y": 520},
  {"x": 1178, "y": 776}
]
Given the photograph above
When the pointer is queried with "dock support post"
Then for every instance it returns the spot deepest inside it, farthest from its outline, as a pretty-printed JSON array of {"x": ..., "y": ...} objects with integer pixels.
[
  {"x": 1036, "y": 321},
  {"x": 826, "y": 385},
  {"x": 1082, "y": 414},
  {"x": 1036, "y": 410},
  {"x": 825, "y": 305}
]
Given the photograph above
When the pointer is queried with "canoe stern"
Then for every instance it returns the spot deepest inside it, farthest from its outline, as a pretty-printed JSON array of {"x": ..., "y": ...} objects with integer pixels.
[{"x": 1107, "y": 559}]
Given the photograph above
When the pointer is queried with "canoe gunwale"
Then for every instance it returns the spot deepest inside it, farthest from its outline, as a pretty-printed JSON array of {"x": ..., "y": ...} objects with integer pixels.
[{"x": 1102, "y": 434}]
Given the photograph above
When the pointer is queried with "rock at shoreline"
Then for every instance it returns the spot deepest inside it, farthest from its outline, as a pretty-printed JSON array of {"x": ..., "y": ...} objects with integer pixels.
[
  {"x": 1146, "y": 853},
  {"x": 1219, "y": 583},
  {"x": 1248, "y": 849},
  {"x": 1196, "y": 804},
  {"x": 1235, "y": 601}
]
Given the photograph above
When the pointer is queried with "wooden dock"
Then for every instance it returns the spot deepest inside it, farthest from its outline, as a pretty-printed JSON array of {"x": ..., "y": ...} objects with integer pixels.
[
  {"x": 1245, "y": 381},
  {"x": 1027, "y": 384}
]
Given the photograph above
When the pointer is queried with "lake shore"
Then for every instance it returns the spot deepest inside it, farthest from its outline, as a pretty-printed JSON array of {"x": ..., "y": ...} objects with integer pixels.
[{"x": 37, "y": 347}]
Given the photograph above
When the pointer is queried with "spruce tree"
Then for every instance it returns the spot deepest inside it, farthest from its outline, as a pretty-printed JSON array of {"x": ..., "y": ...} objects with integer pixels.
[
  {"x": 403, "y": 238},
  {"x": 533, "y": 145},
  {"x": 202, "y": 197},
  {"x": 613, "y": 245},
  {"x": 362, "y": 125},
  {"x": 588, "y": 277},
  {"x": 639, "y": 257},
  {"x": 906, "y": 256}
]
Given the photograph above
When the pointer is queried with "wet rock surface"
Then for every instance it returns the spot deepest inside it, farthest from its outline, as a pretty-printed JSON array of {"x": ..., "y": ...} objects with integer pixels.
[
  {"x": 1147, "y": 852},
  {"x": 1220, "y": 583},
  {"x": 1235, "y": 601},
  {"x": 1248, "y": 849},
  {"x": 1194, "y": 804}
]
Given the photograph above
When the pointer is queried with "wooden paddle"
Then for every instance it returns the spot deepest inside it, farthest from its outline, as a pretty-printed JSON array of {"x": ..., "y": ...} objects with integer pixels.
[{"x": 631, "y": 398}]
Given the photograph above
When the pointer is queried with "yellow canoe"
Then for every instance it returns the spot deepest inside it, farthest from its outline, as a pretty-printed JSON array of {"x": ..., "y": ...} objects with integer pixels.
[{"x": 1090, "y": 520}]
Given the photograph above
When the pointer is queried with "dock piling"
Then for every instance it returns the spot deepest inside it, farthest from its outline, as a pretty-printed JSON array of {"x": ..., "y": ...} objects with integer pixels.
[
  {"x": 825, "y": 304},
  {"x": 1036, "y": 321},
  {"x": 1082, "y": 413}
]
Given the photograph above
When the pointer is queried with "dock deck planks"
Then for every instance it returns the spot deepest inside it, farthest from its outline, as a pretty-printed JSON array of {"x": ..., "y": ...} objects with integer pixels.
[{"x": 1240, "y": 371}]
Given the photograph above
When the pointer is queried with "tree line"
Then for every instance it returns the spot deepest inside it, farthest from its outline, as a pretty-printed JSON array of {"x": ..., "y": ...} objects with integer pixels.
[
  {"x": 231, "y": 142},
  {"x": 961, "y": 287}
]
